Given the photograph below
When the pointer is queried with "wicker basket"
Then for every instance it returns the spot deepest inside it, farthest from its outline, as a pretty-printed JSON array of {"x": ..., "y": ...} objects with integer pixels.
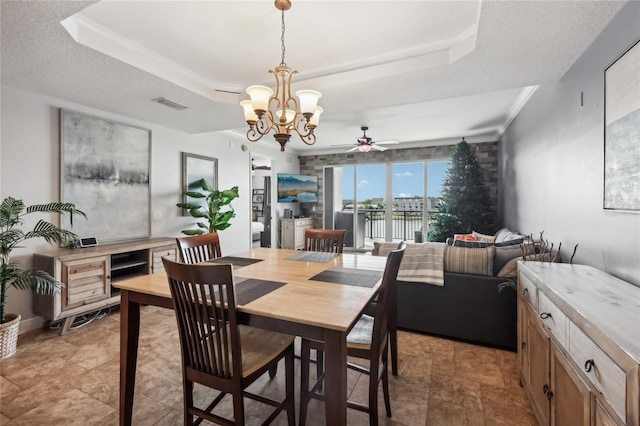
[{"x": 9, "y": 335}]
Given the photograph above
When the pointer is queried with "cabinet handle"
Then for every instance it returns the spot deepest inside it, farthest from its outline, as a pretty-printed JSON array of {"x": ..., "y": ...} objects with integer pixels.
[
  {"x": 545, "y": 389},
  {"x": 525, "y": 291},
  {"x": 523, "y": 345},
  {"x": 588, "y": 366},
  {"x": 549, "y": 395},
  {"x": 545, "y": 315}
]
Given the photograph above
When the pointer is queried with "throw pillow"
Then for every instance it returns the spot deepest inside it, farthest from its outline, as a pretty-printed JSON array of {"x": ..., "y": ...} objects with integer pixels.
[
  {"x": 483, "y": 237},
  {"x": 464, "y": 237},
  {"x": 505, "y": 234},
  {"x": 472, "y": 244},
  {"x": 465, "y": 260},
  {"x": 510, "y": 269},
  {"x": 506, "y": 253},
  {"x": 383, "y": 249}
]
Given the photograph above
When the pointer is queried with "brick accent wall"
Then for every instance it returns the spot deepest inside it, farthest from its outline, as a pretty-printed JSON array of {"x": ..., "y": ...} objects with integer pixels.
[{"x": 487, "y": 153}]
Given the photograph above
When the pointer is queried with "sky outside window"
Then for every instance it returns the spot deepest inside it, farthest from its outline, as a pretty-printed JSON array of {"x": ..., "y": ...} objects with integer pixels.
[{"x": 408, "y": 180}]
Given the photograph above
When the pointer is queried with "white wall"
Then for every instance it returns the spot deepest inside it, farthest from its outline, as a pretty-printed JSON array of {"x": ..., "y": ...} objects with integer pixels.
[
  {"x": 30, "y": 170},
  {"x": 552, "y": 162}
]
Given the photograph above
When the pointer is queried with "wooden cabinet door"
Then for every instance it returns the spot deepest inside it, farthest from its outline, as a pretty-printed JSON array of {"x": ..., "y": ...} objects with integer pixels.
[
  {"x": 539, "y": 385},
  {"x": 85, "y": 281},
  {"x": 601, "y": 416},
  {"x": 570, "y": 396}
]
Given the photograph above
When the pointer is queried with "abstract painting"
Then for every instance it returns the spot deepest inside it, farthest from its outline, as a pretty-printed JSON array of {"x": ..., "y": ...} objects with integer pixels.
[
  {"x": 105, "y": 173},
  {"x": 622, "y": 132}
]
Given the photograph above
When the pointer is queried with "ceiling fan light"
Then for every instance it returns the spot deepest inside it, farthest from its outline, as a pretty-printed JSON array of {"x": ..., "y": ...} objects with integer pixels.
[
  {"x": 308, "y": 100},
  {"x": 315, "y": 118},
  {"x": 249, "y": 113},
  {"x": 364, "y": 148},
  {"x": 260, "y": 96}
]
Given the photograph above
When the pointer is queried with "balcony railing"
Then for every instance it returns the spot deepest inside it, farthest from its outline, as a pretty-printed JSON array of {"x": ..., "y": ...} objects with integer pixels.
[{"x": 405, "y": 224}]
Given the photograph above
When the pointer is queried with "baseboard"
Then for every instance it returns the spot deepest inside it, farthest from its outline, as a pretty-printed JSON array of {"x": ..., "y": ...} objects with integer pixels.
[{"x": 31, "y": 324}]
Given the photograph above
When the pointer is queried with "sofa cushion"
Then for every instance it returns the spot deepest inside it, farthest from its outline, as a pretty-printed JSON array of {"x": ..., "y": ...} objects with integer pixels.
[
  {"x": 483, "y": 237},
  {"x": 505, "y": 234},
  {"x": 465, "y": 260}
]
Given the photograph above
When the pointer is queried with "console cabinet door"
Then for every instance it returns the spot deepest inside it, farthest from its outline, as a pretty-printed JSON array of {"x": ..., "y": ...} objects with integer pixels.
[
  {"x": 539, "y": 385},
  {"x": 85, "y": 281},
  {"x": 570, "y": 398},
  {"x": 523, "y": 342}
]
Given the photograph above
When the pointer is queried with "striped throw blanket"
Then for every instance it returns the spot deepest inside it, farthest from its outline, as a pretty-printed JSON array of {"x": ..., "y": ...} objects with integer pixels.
[{"x": 423, "y": 263}]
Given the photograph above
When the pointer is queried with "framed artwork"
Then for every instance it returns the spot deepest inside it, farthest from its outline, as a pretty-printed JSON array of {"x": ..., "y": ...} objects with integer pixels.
[
  {"x": 105, "y": 172},
  {"x": 194, "y": 168},
  {"x": 258, "y": 196},
  {"x": 622, "y": 132}
]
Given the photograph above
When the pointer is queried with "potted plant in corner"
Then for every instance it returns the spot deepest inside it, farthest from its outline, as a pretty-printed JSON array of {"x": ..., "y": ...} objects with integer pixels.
[
  {"x": 12, "y": 212},
  {"x": 216, "y": 210}
]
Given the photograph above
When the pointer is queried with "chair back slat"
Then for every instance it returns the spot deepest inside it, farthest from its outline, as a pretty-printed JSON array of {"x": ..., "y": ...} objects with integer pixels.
[
  {"x": 204, "y": 301},
  {"x": 385, "y": 298},
  {"x": 199, "y": 248},
  {"x": 324, "y": 240}
]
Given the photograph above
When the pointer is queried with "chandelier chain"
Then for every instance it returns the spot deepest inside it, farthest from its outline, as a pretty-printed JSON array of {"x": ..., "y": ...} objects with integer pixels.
[{"x": 282, "y": 40}]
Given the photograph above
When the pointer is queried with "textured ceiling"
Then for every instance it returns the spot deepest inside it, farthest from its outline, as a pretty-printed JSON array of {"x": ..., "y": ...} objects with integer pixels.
[{"x": 421, "y": 72}]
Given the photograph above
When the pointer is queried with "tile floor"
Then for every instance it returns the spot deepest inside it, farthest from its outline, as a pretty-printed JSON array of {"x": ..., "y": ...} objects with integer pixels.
[{"x": 73, "y": 380}]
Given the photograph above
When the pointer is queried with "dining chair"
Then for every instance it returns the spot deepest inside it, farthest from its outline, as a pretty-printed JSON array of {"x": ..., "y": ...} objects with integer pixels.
[
  {"x": 393, "y": 322},
  {"x": 199, "y": 248},
  {"x": 324, "y": 240},
  {"x": 369, "y": 340},
  {"x": 219, "y": 353}
]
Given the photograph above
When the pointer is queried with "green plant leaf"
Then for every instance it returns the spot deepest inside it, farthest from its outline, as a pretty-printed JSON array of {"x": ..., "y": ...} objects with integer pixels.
[
  {"x": 192, "y": 232},
  {"x": 194, "y": 194}
]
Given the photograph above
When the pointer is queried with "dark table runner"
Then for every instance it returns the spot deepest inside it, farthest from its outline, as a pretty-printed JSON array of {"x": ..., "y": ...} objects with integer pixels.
[
  {"x": 251, "y": 289},
  {"x": 313, "y": 256},
  {"x": 349, "y": 276},
  {"x": 237, "y": 262}
]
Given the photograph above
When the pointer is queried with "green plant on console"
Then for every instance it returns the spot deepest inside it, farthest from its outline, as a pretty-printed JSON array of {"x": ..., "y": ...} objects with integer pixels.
[
  {"x": 217, "y": 210},
  {"x": 12, "y": 212}
]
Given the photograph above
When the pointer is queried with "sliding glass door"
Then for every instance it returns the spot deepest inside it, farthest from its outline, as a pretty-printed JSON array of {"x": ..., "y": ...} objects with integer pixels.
[{"x": 383, "y": 202}]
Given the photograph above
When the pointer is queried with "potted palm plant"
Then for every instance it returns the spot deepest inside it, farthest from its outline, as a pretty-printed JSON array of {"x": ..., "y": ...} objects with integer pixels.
[
  {"x": 216, "y": 209},
  {"x": 12, "y": 214}
]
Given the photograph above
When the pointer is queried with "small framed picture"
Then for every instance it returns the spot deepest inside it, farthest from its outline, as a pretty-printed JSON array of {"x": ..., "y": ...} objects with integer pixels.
[{"x": 258, "y": 198}]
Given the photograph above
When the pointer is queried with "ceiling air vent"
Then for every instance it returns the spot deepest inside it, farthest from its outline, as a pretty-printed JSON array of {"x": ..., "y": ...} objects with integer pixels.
[{"x": 170, "y": 104}]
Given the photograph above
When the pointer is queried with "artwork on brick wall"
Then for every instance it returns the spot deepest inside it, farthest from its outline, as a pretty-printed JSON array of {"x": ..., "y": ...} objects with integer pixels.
[
  {"x": 622, "y": 132},
  {"x": 105, "y": 173}
]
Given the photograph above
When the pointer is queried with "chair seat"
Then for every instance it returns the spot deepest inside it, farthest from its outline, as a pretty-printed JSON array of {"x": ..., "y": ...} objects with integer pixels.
[
  {"x": 260, "y": 346},
  {"x": 361, "y": 334}
]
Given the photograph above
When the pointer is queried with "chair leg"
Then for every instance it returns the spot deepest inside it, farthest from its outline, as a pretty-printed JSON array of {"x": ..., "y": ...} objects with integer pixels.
[
  {"x": 319, "y": 366},
  {"x": 273, "y": 371},
  {"x": 289, "y": 365},
  {"x": 304, "y": 380},
  {"x": 238, "y": 407},
  {"x": 385, "y": 384},
  {"x": 188, "y": 401},
  {"x": 393, "y": 337}
]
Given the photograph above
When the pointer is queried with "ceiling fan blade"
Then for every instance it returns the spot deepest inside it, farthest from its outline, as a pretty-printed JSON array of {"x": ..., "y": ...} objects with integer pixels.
[
  {"x": 378, "y": 148},
  {"x": 355, "y": 148},
  {"x": 387, "y": 142}
]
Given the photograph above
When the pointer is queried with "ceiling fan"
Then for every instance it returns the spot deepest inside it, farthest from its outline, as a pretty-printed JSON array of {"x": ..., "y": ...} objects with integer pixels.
[{"x": 365, "y": 144}]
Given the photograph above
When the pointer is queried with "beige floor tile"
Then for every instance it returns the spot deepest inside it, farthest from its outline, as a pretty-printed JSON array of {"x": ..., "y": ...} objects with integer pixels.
[{"x": 74, "y": 379}]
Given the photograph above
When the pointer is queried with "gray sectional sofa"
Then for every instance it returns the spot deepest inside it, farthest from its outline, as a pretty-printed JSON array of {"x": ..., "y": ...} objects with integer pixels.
[{"x": 468, "y": 306}]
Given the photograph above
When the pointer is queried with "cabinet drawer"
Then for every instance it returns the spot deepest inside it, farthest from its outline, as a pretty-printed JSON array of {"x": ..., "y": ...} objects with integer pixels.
[
  {"x": 528, "y": 291},
  {"x": 553, "y": 318},
  {"x": 604, "y": 373},
  {"x": 85, "y": 281},
  {"x": 156, "y": 265},
  {"x": 304, "y": 223}
]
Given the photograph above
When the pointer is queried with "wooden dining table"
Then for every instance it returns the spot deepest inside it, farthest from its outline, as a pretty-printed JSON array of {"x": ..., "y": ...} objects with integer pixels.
[{"x": 317, "y": 296}]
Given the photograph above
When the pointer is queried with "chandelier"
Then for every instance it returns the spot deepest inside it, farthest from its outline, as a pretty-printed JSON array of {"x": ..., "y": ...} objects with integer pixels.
[{"x": 279, "y": 111}]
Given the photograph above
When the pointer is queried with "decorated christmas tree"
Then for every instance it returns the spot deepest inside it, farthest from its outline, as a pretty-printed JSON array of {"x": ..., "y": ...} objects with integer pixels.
[{"x": 466, "y": 205}]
